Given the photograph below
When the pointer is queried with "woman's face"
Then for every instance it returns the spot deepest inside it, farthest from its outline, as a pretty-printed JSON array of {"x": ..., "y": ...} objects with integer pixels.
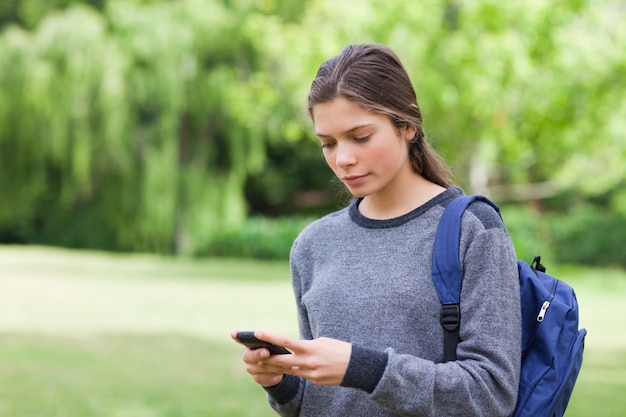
[{"x": 364, "y": 149}]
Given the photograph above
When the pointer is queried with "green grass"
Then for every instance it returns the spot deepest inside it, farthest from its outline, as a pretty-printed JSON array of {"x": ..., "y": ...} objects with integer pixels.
[
  {"x": 123, "y": 376},
  {"x": 601, "y": 384},
  {"x": 93, "y": 334}
]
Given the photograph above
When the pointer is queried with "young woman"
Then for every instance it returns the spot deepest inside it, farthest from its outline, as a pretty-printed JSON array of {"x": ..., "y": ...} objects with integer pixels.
[{"x": 371, "y": 342}]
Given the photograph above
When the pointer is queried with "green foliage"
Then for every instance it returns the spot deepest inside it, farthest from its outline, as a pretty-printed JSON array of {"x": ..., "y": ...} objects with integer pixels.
[
  {"x": 257, "y": 238},
  {"x": 28, "y": 13},
  {"x": 583, "y": 235},
  {"x": 530, "y": 232},
  {"x": 145, "y": 132},
  {"x": 154, "y": 125},
  {"x": 512, "y": 92},
  {"x": 590, "y": 236}
]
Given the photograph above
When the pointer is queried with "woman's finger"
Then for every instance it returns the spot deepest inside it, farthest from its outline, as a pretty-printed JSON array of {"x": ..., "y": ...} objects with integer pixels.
[{"x": 281, "y": 340}]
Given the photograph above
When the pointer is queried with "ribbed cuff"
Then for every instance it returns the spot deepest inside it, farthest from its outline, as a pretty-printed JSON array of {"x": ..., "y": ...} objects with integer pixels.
[
  {"x": 286, "y": 390},
  {"x": 365, "y": 368}
]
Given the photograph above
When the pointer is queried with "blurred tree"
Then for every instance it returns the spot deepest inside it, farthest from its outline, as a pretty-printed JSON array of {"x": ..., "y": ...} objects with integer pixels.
[
  {"x": 140, "y": 135},
  {"x": 28, "y": 13},
  {"x": 512, "y": 92},
  {"x": 146, "y": 124}
]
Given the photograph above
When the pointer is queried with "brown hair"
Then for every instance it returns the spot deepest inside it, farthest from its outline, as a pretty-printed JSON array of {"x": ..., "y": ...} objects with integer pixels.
[{"x": 373, "y": 77}]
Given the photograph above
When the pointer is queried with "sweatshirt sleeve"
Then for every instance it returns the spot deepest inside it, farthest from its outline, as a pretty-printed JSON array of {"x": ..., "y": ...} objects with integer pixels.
[
  {"x": 484, "y": 379},
  {"x": 286, "y": 397}
]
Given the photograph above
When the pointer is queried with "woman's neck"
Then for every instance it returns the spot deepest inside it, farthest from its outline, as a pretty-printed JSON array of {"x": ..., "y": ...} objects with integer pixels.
[{"x": 388, "y": 205}]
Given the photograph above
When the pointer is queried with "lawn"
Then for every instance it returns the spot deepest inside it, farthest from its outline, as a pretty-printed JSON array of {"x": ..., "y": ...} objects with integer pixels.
[{"x": 95, "y": 334}]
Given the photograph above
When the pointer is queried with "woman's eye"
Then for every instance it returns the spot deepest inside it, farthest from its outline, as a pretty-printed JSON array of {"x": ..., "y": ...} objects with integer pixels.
[
  {"x": 327, "y": 145},
  {"x": 362, "y": 139}
]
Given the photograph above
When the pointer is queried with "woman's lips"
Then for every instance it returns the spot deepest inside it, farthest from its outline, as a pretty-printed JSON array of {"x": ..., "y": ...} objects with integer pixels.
[{"x": 354, "y": 179}]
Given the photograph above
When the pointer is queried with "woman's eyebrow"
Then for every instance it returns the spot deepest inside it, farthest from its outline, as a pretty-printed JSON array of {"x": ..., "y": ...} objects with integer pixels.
[{"x": 347, "y": 132}]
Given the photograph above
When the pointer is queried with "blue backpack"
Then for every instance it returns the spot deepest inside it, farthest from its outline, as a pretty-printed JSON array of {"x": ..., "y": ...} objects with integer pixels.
[{"x": 552, "y": 344}]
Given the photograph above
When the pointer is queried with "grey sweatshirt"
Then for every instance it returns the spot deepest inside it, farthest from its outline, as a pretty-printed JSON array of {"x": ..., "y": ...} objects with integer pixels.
[{"x": 369, "y": 282}]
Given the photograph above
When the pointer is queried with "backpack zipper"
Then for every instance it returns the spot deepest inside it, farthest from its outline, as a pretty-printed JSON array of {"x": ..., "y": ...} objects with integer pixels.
[
  {"x": 542, "y": 312},
  {"x": 546, "y": 304}
]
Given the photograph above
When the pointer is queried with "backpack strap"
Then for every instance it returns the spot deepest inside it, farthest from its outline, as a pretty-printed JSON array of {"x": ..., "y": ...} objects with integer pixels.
[{"x": 447, "y": 272}]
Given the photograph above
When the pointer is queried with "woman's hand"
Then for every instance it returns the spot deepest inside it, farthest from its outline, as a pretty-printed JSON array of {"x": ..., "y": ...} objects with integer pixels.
[
  {"x": 322, "y": 361},
  {"x": 263, "y": 374}
]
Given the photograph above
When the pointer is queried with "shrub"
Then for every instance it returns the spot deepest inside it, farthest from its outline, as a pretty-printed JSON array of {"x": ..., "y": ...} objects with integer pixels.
[
  {"x": 585, "y": 236},
  {"x": 258, "y": 237},
  {"x": 530, "y": 233},
  {"x": 590, "y": 236}
]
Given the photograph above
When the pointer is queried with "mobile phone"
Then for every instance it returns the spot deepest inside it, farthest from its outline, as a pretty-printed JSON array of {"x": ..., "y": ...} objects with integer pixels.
[{"x": 248, "y": 339}]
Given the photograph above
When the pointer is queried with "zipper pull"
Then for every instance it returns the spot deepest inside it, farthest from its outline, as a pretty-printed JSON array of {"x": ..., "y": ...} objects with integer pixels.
[{"x": 542, "y": 312}]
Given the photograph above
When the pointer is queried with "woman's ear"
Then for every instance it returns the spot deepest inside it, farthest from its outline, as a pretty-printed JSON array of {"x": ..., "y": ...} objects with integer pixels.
[{"x": 409, "y": 132}]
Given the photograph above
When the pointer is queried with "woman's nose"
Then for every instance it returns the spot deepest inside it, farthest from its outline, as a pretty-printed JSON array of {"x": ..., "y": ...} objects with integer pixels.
[{"x": 346, "y": 155}]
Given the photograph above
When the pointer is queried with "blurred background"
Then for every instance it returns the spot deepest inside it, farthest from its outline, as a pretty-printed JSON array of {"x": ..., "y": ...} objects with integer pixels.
[
  {"x": 158, "y": 140},
  {"x": 180, "y": 127}
]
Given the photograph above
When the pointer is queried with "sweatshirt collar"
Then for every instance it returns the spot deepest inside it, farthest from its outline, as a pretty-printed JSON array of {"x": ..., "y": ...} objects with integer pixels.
[{"x": 363, "y": 221}]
